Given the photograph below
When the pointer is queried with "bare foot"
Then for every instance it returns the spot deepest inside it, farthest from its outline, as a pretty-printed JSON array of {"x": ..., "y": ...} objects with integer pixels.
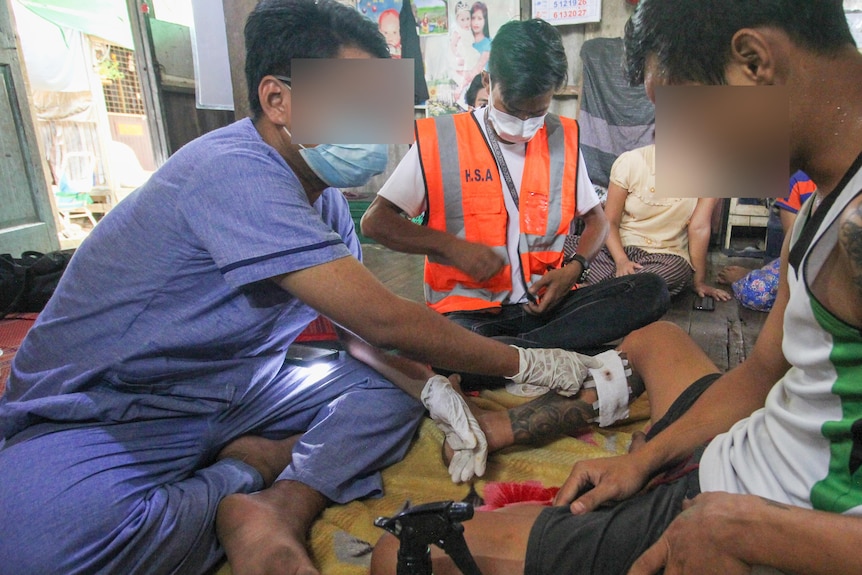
[
  {"x": 730, "y": 274},
  {"x": 268, "y": 456},
  {"x": 264, "y": 533}
]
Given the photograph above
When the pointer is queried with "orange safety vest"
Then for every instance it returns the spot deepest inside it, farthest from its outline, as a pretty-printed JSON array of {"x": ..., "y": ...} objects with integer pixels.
[{"x": 465, "y": 198}]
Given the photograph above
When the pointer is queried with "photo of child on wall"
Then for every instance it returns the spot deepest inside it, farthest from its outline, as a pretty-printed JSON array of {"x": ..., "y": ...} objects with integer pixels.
[
  {"x": 387, "y": 15},
  {"x": 390, "y": 27}
]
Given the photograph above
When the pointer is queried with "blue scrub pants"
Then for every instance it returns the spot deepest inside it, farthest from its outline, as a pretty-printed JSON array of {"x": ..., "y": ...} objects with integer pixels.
[{"x": 140, "y": 495}]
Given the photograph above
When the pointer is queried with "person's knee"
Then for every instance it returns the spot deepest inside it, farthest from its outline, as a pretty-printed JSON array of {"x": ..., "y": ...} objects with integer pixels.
[
  {"x": 385, "y": 396},
  {"x": 663, "y": 329},
  {"x": 394, "y": 410},
  {"x": 407, "y": 407},
  {"x": 649, "y": 339},
  {"x": 677, "y": 287},
  {"x": 655, "y": 293},
  {"x": 384, "y": 558}
]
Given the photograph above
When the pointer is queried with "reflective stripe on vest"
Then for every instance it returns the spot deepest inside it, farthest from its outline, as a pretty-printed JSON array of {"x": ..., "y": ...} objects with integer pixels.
[{"x": 465, "y": 199}]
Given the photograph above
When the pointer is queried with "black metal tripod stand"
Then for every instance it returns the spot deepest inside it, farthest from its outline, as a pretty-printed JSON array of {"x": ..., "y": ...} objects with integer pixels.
[{"x": 438, "y": 523}]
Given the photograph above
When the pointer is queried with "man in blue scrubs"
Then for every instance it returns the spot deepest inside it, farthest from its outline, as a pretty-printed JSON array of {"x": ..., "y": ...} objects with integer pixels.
[{"x": 151, "y": 423}]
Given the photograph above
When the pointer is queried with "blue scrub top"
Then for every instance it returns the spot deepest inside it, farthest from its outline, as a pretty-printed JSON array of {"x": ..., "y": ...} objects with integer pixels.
[{"x": 169, "y": 294}]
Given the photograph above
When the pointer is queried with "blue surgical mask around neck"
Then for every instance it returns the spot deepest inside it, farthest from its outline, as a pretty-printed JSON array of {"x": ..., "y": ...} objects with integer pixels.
[{"x": 346, "y": 165}]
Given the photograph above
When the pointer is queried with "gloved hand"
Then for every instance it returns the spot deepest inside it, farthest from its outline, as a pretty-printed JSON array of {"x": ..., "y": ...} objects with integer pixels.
[
  {"x": 463, "y": 434},
  {"x": 560, "y": 370}
]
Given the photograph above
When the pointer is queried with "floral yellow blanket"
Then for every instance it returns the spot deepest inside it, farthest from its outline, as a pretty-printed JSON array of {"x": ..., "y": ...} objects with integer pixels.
[{"x": 342, "y": 538}]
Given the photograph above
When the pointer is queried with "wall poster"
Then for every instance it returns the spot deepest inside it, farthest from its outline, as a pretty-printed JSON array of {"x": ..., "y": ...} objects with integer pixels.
[
  {"x": 455, "y": 40},
  {"x": 568, "y": 11},
  {"x": 451, "y": 62}
]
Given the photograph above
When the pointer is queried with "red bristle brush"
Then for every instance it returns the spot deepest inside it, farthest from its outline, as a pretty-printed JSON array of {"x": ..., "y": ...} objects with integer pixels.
[{"x": 499, "y": 494}]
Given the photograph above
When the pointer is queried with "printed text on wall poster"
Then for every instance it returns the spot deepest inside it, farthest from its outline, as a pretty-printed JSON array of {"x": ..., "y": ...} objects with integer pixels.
[{"x": 568, "y": 11}]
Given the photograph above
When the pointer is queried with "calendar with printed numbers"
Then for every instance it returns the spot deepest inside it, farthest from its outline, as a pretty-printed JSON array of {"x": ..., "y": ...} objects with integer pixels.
[{"x": 568, "y": 11}]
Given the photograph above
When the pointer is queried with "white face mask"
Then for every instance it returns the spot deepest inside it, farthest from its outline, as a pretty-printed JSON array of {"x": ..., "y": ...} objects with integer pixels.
[{"x": 512, "y": 128}]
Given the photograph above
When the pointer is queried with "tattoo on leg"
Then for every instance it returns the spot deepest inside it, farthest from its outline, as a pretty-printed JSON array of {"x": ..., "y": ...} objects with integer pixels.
[
  {"x": 549, "y": 417},
  {"x": 552, "y": 415},
  {"x": 851, "y": 238}
]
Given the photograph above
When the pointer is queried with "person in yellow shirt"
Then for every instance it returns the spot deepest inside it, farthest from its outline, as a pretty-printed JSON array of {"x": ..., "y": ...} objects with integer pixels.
[{"x": 649, "y": 233}]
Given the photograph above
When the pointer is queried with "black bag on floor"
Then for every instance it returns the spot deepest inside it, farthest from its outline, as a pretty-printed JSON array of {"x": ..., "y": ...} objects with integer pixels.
[{"x": 27, "y": 283}]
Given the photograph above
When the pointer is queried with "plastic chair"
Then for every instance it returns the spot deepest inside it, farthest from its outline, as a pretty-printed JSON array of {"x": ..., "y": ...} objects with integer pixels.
[
  {"x": 125, "y": 166},
  {"x": 73, "y": 192},
  {"x": 749, "y": 213}
]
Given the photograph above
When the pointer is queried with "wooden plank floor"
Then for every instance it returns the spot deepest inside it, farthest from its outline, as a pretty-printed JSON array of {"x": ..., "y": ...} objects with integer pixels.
[{"x": 726, "y": 334}]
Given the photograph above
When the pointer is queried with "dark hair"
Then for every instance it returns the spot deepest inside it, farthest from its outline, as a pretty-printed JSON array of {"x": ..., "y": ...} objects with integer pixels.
[
  {"x": 527, "y": 59},
  {"x": 473, "y": 89},
  {"x": 691, "y": 38},
  {"x": 279, "y": 30},
  {"x": 486, "y": 30}
]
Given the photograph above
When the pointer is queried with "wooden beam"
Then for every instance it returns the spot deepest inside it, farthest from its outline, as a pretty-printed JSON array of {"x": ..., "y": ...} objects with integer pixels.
[{"x": 235, "y": 14}]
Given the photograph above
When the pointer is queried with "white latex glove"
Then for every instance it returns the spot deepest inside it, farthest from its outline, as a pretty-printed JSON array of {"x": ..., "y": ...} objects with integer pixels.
[
  {"x": 463, "y": 434},
  {"x": 557, "y": 369}
]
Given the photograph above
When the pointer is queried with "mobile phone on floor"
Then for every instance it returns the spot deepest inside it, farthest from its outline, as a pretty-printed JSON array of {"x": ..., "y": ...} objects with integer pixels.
[
  {"x": 705, "y": 303},
  {"x": 299, "y": 354}
]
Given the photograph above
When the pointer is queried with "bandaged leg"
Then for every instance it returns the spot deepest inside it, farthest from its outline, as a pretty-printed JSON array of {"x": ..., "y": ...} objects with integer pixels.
[{"x": 612, "y": 386}]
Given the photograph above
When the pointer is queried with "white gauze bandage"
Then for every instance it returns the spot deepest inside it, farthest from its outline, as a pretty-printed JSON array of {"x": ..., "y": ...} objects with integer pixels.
[{"x": 611, "y": 385}]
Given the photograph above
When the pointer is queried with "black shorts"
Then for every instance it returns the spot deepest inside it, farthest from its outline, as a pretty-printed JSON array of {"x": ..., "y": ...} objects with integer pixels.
[{"x": 608, "y": 540}]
